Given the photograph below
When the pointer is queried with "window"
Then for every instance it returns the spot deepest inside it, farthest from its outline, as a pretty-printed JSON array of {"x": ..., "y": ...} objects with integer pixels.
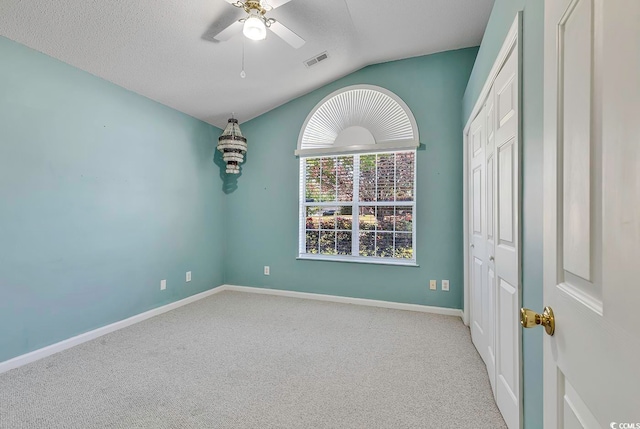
[
  {"x": 357, "y": 152},
  {"x": 379, "y": 188}
]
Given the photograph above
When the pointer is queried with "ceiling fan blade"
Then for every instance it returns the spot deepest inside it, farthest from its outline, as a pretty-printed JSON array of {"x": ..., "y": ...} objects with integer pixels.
[
  {"x": 287, "y": 35},
  {"x": 229, "y": 32},
  {"x": 276, "y": 3}
]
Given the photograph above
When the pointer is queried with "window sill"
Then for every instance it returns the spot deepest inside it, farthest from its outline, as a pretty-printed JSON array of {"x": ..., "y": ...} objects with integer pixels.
[{"x": 358, "y": 260}]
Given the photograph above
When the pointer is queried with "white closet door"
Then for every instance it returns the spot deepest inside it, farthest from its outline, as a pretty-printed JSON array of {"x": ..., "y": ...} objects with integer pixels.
[
  {"x": 478, "y": 235},
  {"x": 507, "y": 240},
  {"x": 494, "y": 229},
  {"x": 490, "y": 271}
]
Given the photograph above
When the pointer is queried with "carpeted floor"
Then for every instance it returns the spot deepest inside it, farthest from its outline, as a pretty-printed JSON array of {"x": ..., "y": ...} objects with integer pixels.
[{"x": 237, "y": 360}]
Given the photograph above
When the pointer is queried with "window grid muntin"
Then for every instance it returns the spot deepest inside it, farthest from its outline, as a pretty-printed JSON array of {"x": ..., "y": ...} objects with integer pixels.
[{"x": 320, "y": 228}]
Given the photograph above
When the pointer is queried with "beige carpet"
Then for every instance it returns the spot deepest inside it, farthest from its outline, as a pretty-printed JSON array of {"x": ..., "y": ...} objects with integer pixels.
[{"x": 237, "y": 360}]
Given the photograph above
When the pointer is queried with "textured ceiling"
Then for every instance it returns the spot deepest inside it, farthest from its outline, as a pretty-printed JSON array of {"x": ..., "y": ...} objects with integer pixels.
[{"x": 164, "y": 49}]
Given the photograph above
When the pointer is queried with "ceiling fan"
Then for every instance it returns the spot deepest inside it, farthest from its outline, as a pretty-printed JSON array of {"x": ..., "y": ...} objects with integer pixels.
[{"x": 255, "y": 24}]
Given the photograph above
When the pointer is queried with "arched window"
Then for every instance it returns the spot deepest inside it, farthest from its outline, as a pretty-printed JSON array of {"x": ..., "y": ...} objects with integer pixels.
[{"x": 357, "y": 153}]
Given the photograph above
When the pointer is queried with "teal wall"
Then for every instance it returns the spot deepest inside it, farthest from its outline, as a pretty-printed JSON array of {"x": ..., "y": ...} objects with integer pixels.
[
  {"x": 262, "y": 206},
  {"x": 502, "y": 16},
  {"x": 103, "y": 193}
]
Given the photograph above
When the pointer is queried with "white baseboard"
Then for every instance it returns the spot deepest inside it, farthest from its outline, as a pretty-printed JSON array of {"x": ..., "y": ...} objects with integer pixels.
[
  {"x": 347, "y": 300},
  {"x": 35, "y": 355},
  {"x": 91, "y": 335}
]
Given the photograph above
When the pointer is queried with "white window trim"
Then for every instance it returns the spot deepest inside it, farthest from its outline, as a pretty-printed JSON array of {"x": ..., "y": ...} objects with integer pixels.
[
  {"x": 355, "y": 204},
  {"x": 359, "y": 259},
  {"x": 386, "y": 147}
]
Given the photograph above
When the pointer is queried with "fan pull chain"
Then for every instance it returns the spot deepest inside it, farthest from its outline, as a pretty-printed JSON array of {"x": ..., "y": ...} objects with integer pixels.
[{"x": 242, "y": 73}]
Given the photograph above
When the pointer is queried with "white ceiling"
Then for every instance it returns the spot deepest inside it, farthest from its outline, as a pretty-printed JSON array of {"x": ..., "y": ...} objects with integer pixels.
[{"x": 164, "y": 50}]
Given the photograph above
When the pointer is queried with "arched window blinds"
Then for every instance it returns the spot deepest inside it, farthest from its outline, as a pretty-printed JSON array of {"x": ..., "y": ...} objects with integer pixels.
[{"x": 356, "y": 119}]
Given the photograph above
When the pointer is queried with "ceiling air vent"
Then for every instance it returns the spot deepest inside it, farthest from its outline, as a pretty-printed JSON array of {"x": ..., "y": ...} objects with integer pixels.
[{"x": 315, "y": 60}]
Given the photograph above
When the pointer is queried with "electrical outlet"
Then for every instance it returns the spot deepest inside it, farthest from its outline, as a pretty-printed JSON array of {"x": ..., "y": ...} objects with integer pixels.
[
  {"x": 445, "y": 285},
  {"x": 163, "y": 284},
  {"x": 267, "y": 271},
  {"x": 188, "y": 276},
  {"x": 432, "y": 285}
]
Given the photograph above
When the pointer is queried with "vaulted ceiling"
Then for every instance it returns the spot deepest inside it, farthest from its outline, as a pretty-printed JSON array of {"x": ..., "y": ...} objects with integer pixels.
[{"x": 164, "y": 49}]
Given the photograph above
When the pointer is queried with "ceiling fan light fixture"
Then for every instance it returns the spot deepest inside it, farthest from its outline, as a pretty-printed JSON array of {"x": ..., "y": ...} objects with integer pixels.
[{"x": 254, "y": 26}]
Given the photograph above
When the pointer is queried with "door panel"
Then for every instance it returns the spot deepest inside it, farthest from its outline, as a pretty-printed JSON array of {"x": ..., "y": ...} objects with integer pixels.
[
  {"x": 592, "y": 212},
  {"x": 506, "y": 99},
  {"x": 576, "y": 414},
  {"x": 576, "y": 48},
  {"x": 491, "y": 353},
  {"x": 505, "y": 95},
  {"x": 477, "y": 298},
  {"x": 507, "y": 328},
  {"x": 476, "y": 140},
  {"x": 478, "y": 245},
  {"x": 506, "y": 208},
  {"x": 476, "y": 193},
  {"x": 507, "y": 249},
  {"x": 490, "y": 171},
  {"x": 490, "y": 198}
]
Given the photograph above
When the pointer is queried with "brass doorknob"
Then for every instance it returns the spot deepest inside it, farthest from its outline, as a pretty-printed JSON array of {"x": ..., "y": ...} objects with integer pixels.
[{"x": 529, "y": 319}]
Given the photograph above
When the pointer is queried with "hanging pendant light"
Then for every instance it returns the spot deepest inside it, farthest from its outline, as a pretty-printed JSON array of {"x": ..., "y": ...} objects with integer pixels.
[{"x": 233, "y": 146}]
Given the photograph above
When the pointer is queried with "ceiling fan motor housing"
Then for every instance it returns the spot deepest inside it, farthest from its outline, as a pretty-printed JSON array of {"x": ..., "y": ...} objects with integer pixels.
[{"x": 250, "y": 5}]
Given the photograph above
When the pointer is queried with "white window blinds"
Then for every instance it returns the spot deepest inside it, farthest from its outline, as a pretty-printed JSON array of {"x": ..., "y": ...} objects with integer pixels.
[{"x": 378, "y": 188}]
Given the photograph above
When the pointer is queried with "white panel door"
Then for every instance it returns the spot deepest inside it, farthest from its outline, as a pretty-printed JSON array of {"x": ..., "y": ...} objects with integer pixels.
[
  {"x": 489, "y": 305},
  {"x": 478, "y": 234},
  {"x": 592, "y": 213},
  {"x": 507, "y": 240}
]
